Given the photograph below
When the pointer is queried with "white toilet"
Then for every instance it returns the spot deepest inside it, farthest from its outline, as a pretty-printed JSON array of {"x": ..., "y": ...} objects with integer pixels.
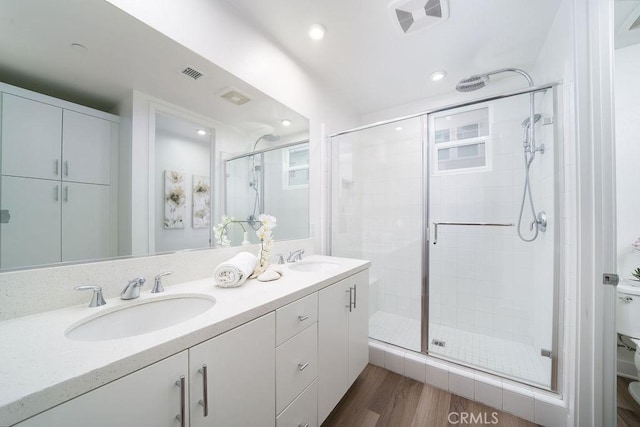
[{"x": 628, "y": 323}]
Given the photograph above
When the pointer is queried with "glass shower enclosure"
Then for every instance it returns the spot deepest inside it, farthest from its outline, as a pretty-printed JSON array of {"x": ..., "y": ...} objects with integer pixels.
[{"x": 457, "y": 210}]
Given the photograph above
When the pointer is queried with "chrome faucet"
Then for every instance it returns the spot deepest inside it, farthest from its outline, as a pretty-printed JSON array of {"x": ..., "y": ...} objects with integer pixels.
[
  {"x": 295, "y": 255},
  {"x": 132, "y": 290},
  {"x": 157, "y": 283},
  {"x": 97, "y": 299}
]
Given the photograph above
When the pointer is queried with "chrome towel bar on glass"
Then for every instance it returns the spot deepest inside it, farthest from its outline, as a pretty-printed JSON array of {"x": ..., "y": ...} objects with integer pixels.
[{"x": 485, "y": 224}]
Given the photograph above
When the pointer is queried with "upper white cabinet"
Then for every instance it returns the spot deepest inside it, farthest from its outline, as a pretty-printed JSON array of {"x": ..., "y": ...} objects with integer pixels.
[
  {"x": 31, "y": 138},
  {"x": 48, "y": 142},
  {"x": 86, "y": 148},
  {"x": 342, "y": 339},
  {"x": 233, "y": 377},
  {"x": 150, "y": 397},
  {"x": 56, "y": 192}
]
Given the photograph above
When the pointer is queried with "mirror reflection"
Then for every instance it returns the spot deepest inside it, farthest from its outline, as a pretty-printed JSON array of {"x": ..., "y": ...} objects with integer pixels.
[
  {"x": 98, "y": 130},
  {"x": 274, "y": 181}
]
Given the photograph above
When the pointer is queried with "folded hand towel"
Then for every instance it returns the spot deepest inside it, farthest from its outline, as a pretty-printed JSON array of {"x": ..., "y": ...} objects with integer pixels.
[{"x": 235, "y": 271}]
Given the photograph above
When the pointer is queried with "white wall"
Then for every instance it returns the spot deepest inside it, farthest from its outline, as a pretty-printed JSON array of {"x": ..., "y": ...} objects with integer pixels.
[
  {"x": 627, "y": 105},
  {"x": 190, "y": 157}
]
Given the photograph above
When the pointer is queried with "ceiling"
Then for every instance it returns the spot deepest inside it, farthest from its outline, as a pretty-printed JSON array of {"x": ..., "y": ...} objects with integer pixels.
[
  {"x": 122, "y": 54},
  {"x": 627, "y": 12},
  {"x": 366, "y": 58}
]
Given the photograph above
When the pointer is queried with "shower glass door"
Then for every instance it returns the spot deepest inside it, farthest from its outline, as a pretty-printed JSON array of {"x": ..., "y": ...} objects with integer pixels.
[
  {"x": 377, "y": 203},
  {"x": 490, "y": 292}
]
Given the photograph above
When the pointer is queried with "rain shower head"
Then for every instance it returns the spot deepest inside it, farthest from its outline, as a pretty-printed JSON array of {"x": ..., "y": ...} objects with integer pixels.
[
  {"x": 472, "y": 83},
  {"x": 479, "y": 81},
  {"x": 270, "y": 137}
]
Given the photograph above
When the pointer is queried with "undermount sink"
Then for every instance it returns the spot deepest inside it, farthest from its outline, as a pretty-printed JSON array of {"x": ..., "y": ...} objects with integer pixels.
[
  {"x": 140, "y": 318},
  {"x": 314, "y": 266}
]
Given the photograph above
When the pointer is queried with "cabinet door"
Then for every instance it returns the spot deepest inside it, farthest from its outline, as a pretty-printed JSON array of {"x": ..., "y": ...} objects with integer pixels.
[
  {"x": 86, "y": 221},
  {"x": 333, "y": 347},
  {"x": 240, "y": 377},
  {"x": 32, "y": 235},
  {"x": 86, "y": 148},
  {"x": 149, "y": 397},
  {"x": 31, "y": 138},
  {"x": 359, "y": 325}
]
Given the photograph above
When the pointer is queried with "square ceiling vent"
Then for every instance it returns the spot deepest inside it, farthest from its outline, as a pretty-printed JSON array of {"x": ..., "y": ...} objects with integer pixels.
[{"x": 412, "y": 16}]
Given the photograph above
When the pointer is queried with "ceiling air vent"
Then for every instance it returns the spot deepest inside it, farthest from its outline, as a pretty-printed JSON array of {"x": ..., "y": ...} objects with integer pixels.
[
  {"x": 234, "y": 96},
  {"x": 193, "y": 73},
  {"x": 415, "y": 15}
]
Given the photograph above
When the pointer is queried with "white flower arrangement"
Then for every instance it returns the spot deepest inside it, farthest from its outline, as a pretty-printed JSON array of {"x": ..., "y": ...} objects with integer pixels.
[
  {"x": 265, "y": 234},
  {"x": 220, "y": 231}
]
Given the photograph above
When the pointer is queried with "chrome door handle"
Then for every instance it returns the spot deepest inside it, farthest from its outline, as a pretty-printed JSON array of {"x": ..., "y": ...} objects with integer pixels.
[
  {"x": 303, "y": 317},
  {"x": 183, "y": 398},
  {"x": 205, "y": 393},
  {"x": 56, "y": 193},
  {"x": 66, "y": 168},
  {"x": 66, "y": 193},
  {"x": 350, "y": 299},
  {"x": 355, "y": 296},
  {"x": 56, "y": 167},
  {"x": 302, "y": 366}
]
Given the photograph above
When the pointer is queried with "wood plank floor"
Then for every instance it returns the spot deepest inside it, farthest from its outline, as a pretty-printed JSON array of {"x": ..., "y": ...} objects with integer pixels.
[
  {"x": 382, "y": 398},
  {"x": 628, "y": 408}
]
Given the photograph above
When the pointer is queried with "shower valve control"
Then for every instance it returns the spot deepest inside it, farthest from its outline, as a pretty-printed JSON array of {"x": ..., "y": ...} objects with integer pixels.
[{"x": 541, "y": 220}]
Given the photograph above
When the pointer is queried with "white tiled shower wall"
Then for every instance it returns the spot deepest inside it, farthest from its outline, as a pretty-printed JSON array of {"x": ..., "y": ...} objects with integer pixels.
[{"x": 485, "y": 279}]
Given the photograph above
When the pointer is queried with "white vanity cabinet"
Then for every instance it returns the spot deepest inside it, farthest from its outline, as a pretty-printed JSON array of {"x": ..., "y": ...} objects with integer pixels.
[
  {"x": 297, "y": 363},
  {"x": 240, "y": 380},
  {"x": 55, "y": 153},
  {"x": 342, "y": 339},
  {"x": 150, "y": 397}
]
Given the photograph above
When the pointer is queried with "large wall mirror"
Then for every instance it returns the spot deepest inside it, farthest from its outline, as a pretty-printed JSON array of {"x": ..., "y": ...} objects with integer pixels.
[{"x": 170, "y": 122}]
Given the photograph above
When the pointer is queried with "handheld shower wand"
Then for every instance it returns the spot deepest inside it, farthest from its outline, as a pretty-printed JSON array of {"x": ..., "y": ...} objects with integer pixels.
[{"x": 479, "y": 81}]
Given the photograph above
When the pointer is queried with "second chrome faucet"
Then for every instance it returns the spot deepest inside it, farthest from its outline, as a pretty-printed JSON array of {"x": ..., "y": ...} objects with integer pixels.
[{"x": 132, "y": 290}]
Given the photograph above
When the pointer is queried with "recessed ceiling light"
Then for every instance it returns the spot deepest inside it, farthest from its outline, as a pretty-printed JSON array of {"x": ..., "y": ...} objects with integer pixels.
[
  {"x": 285, "y": 122},
  {"x": 202, "y": 132},
  {"x": 399, "y": 128},
  {"x": 438, "y": 75},
  {"x": 317, "y": 31}
]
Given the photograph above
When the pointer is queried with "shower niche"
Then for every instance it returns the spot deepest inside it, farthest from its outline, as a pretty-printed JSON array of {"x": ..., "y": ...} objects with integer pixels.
[
  {"x": 274, "y": 181},
  {"x": 456, "y": 208}
]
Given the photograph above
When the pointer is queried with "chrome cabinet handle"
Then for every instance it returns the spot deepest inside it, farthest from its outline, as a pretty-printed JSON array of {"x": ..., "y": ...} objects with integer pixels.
[
  {"x": 355, "y": 296},
  {"x": 56, "y": 192},
  {"x": 66, "y": 193},
  {"x": 205, "y": 393},
  {"x": 183, "y": 398},
  {"x": 303, "y": 317},
  {"x": 302, "y": 366},
  {"x": 350, "y": 299},
  {"x": 66, "y": 168},
  {"x": 56, "y": 167},
  {"x": 625, "y": 299}
]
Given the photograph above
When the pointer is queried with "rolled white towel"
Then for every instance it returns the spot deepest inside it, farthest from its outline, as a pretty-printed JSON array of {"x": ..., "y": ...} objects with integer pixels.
[{"x": 235, "y": 271}]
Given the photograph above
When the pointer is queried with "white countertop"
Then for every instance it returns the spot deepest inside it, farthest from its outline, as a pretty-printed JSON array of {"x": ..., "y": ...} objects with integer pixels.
[{"x": 41, "y": 368}]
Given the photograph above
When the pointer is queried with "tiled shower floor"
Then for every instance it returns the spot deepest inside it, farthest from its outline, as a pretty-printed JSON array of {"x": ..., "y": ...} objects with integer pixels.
[{"x": 514, "y": 359}]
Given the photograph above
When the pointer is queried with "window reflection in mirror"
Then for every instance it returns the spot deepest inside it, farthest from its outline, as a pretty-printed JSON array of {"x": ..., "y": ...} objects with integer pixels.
[{"x": 273, "y": 181}]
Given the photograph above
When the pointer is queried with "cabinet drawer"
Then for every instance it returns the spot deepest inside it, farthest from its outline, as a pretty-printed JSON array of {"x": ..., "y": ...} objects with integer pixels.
[
  {"x": 294, "y": 317},
  {"x": 303, "y": 411},
  {"x": 296, "y": 366}
]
